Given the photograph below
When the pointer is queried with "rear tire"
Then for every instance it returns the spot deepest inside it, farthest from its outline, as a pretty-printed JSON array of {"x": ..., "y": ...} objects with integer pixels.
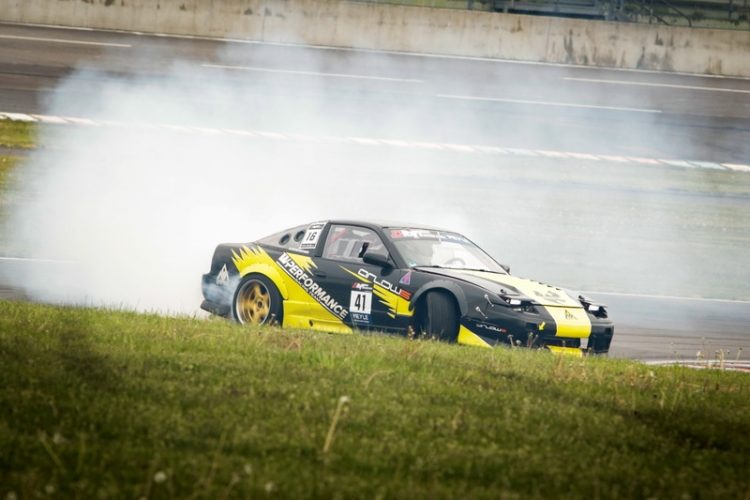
[
  {"x": 438, "y": 317},
  {"x": 257, "y": 301}
]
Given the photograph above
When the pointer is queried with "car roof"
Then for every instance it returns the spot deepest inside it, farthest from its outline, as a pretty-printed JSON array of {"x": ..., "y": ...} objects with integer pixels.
[{"x": 387, "y": 224}]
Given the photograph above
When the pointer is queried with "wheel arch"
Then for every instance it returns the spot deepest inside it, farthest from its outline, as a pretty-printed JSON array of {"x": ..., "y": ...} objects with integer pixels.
[
  {"x": 445, "y": 286},
  {"x": 268, "y": 272}
]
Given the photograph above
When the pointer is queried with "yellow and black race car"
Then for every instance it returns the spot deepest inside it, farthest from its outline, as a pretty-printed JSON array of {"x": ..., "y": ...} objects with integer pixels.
[{"x": 340, "y": 276}]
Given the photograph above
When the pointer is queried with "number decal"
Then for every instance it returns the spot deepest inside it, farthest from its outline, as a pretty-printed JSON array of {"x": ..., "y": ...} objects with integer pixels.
[
  {"x": 312, "y": 235},
  {"x": 361, "y": 302}
]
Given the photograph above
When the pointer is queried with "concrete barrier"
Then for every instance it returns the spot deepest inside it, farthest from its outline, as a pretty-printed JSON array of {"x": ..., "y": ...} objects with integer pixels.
[{"x": 409, "y": 29}]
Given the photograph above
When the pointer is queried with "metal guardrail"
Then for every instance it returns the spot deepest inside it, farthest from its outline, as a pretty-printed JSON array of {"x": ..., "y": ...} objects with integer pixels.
[
  {"x": 731, "y": 14},
  {"x": 595, "y": 9},
  {"x": 658, "y": 10},
  {"x": 726, "y": 14},
  {"x": 485, "y": 5}
]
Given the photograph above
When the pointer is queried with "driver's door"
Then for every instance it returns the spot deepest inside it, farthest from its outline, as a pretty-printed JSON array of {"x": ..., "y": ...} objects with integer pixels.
[{"x": 358, "y": 285}]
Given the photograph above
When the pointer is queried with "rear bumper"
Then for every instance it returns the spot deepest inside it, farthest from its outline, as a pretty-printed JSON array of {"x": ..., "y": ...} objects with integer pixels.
[
  {"x": 214, "y": 308},
  {"x": 218, "y": 298}
]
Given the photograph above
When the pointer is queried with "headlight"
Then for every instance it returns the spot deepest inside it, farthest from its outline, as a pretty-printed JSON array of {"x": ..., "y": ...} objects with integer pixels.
[
  {"x": 598, "y": 310},
  {"x": 521, "y": 305}
]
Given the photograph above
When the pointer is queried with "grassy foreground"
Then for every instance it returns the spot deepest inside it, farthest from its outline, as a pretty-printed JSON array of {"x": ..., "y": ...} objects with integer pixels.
[
  {"x": 110, "y": 404},
  {"x": 21, "y": 135},
  {"x": 7, "y": 164},
  {"x": 14, "y": 135}
]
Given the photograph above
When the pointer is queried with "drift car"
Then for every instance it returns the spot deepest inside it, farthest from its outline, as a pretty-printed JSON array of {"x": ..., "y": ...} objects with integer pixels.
[{"x": 338, "y": 276}]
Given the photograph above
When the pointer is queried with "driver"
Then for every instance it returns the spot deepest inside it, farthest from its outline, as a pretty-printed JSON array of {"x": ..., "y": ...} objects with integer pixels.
[
  {"x": 419, "y": 252},
  {"x": 446, "y": 256}
]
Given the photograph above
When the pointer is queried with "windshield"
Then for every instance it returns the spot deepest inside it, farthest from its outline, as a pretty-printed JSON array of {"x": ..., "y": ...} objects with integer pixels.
[{"x": 422, "y": 247}]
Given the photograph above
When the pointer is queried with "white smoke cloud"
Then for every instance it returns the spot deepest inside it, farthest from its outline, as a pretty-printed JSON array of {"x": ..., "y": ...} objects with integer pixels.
[{"x": 134, "y": 212}]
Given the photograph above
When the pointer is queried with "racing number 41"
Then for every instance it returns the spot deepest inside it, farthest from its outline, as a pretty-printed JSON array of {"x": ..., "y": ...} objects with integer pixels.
[{"x": 361, "y": 302}]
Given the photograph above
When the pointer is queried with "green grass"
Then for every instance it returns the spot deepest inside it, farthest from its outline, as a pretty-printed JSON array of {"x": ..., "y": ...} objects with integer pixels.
[
  {"x": 111, "y": 404},
  {"x": 7, "y": 164},
  {"x": 19, "y": 135},
  {"x": 13, "y": 135}
]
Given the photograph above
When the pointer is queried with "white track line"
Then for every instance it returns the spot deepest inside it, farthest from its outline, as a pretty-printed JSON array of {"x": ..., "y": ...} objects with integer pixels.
[
  {"x": 651, "y": 84},
  {"x": 377, "y": 142},
  {"x": 736, "y": 167},
  {"x": 31, "y": 259},
  {"x": 311, "y": 73},
  {"x": 665, "y": 297},
  {"x": 376, "y": 51},
  {"x": 18, "y": 117},
  {"x": 548, "y": 103},
  {"x": 61, "y": 40},
  {"x": 705, "y": 364}
]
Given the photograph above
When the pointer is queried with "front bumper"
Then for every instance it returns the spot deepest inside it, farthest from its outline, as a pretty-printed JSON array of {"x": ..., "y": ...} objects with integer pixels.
[{"x": 525, "y": 330}]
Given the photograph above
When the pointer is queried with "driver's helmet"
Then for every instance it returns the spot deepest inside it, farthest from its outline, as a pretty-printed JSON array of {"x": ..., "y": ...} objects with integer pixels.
[{"x": 420, "y": 254}]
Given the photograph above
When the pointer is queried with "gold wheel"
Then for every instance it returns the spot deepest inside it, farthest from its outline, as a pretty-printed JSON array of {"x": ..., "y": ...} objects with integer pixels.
[{"x": 253, "y": 303}]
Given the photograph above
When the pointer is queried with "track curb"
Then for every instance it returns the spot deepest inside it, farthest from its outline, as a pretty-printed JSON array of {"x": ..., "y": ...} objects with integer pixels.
[{"x": 373, "y": 141}]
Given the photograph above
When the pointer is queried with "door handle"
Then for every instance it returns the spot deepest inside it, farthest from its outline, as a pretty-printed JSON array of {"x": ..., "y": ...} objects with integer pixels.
[{"x": 320, "y": 274}]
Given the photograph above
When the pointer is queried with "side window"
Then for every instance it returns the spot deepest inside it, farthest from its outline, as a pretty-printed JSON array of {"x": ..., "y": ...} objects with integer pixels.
[{"x": 350, "y": 243}]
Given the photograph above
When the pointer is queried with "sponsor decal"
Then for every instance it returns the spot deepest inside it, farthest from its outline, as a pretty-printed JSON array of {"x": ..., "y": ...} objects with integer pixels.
[
  {"x": 551, "y": 296},
  {"x": 361, "y": 286},
  {"x": 413, "y": 233},
  {"x": 426, "y": 234},
  {"x": 312, "y": 235},
  {"x": 452, "y": 237},
  {"x": 364, "y": 273},
  {"x": 395, "y": 299},
  {"x": 405, "y": 279},
  {"x": 310, "y": 285},
  {"x": 359, "y": 318},
  {"x": 223, "y": 277},
  {"x": 569, "y": 315},
  {"x": 491, "y": 328}
]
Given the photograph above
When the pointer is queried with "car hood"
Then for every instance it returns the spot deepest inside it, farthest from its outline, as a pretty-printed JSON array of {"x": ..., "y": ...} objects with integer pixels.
[{"x": 498, "y": 283}]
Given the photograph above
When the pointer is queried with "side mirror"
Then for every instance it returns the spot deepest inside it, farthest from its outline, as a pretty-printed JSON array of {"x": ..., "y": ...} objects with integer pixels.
[{"x": 376, "y": 259}]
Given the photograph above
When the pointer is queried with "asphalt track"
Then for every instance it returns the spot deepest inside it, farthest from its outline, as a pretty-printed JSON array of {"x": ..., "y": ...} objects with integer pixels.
[
  {"x": 687, "y": 116},
  {"x": 591, "y": 110}
]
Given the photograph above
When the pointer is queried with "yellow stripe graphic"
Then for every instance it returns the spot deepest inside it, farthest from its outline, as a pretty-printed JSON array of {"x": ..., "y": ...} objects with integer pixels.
[
  {"x": 571, "y": 322},
  {"x": 467, "y": 337}
]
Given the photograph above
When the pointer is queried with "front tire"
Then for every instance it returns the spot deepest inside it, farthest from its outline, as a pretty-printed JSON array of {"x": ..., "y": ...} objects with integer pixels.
[
  {"x": 438, "y": 317},
  {"x": 257, "y": 301}
]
